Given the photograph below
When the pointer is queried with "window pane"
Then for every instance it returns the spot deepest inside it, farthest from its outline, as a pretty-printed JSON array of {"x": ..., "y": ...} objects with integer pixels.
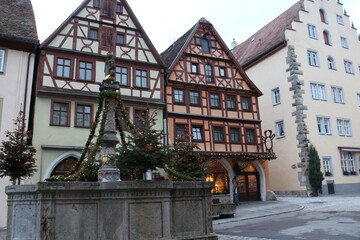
[{"x": 2, "y": 60}]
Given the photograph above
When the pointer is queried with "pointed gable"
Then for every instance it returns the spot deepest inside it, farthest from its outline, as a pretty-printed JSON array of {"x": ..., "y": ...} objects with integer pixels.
[
  {"x": 268, "y": 38},
  {"x": 191, "y": 46}
]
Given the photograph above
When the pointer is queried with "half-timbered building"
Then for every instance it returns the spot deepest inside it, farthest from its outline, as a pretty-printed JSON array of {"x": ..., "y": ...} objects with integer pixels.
[
  {"x": 208, "y": 94},
  {"x": 71, "y": 66}
]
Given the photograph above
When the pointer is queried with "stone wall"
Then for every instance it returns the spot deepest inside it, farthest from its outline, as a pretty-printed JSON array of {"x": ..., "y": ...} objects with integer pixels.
[{"x": 126, "y": 210}]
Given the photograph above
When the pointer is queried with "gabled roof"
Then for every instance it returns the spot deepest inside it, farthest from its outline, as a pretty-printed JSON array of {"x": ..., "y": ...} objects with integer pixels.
[
  {"x": 17, "y": 21},
  {"x": 132, "y": 16},
  {"x": 172, "y": 54},
  {"x": 268, "y": 38}
]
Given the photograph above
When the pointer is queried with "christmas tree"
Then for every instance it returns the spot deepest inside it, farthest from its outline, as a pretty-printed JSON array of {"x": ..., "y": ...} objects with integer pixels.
[
  {"x": 143, "y": 150},
  {"x": 315, "y": 175},
  {"x": 17, "y": 157},
  {"x": 185, "y": 161}
]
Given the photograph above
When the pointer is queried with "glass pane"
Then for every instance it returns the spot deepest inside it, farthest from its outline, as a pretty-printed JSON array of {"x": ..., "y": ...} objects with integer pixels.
[
  {"x": 252, "y": 183},
  {"x": 241, "y": 182}
]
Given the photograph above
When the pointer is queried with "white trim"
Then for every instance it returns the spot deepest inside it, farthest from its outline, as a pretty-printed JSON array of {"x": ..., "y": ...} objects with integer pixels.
[{"x": 60, "y": 158}]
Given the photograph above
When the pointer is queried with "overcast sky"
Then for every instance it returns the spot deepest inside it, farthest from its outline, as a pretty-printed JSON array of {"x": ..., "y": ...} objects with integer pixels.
[{"x": 166, "y": 20}]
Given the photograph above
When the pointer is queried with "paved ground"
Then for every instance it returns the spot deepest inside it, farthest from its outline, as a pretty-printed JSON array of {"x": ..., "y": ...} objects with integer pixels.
[{"x": 251, "y": 210}]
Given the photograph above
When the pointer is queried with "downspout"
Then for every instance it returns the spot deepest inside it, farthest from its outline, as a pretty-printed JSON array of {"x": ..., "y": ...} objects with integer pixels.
[{"x": 27, "y": 79}]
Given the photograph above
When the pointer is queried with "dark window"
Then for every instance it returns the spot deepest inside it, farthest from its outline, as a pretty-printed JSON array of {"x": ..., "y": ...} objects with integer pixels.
[
  {"x": 198, "y": 41},
  {"x": 60, "y": 114},
  {"x": 235, "y": 135},
  {"x": 213, "y": 44},
  {"x": 194, "y": 98},
  {"x": 179, "y": 96},
  {"x": 83, "y": 115},
  {"x": 218, "y": 134},
  {"x": 140, "y": 118},
  {"x": 93, "y": 34},
  {"x": 141, "y": 78},
  {"x": 63, "y": 67},
  {"x": 197, "y": 133},
  {"x": 209, "y": 73},
  {"x": 205, "y": 46},
  {"x": 246, "y": 103},
  {"x": 194, "y": 68},
  {"x": 231, "y": 102},
  {"x": 222, "y": 72},
  {"x": 97, "y": 3},
  {"x": 326, "y": 38},
  {"x": 107, "y": 8},
  {"x": 121, "y": 75},
  {"x": 250, "y": 135},
  {"x": 119, "y": 8},
  {"x": 180, "y": 131},
  {"x": 120, "y": 39},
  {"x": 322, "y": 16},
  {"x": 64, "y": 166},
  {"x": 215, "y": 100},
  {"x": 85, "y": 70}
]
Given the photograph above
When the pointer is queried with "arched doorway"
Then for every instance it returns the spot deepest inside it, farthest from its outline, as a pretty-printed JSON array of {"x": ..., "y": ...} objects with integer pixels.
[
  {"x": 218, "y": 175},
  {"x": 64, "y": 166},
  {"x": 248, "y": 184}
]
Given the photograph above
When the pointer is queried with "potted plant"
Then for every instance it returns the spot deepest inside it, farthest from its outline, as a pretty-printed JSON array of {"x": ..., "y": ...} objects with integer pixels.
[
  {"x": 346, "y": 173},
  {"x": 328, "y": 174}
]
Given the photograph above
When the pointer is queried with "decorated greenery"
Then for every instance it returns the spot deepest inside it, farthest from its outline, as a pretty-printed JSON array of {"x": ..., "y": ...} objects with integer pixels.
[
  {"x": 185, "y": 160},
  {"x": 17, "y": 157},
  {"x": 143, "y": 149},
  {"x": 315, "y": 175}
]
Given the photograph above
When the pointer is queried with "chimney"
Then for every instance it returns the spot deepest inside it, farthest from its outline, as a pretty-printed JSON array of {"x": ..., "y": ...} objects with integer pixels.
[{"x": 233, "y": 44}]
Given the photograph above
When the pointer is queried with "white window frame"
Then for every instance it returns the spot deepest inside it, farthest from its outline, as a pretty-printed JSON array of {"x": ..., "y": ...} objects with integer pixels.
[
  {"x": 324, "y": 125},
  {"x": 275, "y": 95},
  {"x": 318, "y": 91},
  {"x": 337, "y": 94},
  {"x": 327, "y": 166},
  {"x": 339, "y": 19},
  {"x": 312, "y": 31},
  {"x": 344, "y": 42},
  {"x": 313, "y": 58},
  {"x": 348, "y": 67},
  {"x": 280, "y": 132},
  {"x": 348, "y": 163},
  {"x": 331, "y": 63},
  {"x": 344, "y": 127},
  {"x": 2, "y": 60}
]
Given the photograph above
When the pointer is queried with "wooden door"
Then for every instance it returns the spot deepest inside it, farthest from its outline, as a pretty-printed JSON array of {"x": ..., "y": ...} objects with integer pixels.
[{"x": 248, "y": 187}]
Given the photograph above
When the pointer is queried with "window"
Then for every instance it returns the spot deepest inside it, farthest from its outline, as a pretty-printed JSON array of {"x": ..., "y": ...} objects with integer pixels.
[
  {"x": 231, "y": 102},
  {"x": 97, "y": 3},
  {"x": 64, "y": 166},
  {"x": 339, "y": 19},
  {"x": 358, "y": 99},
  {"x": 118, "y": 8},
  {"x": 323, "y": 16},
  {"x": 197, "y": 133},
  {"x": 63, "y": 66},
  {"x": 313, "y": 58},
  {"x": 348, "y": 163},
  {"x": 179, "y": 96},
  {"x": 218, "y": 134},
  {"x": 120, "y": 39},
  {"x": 141, "y": 78},
  {"x": 222, "y": 72},
  {"x": 318, "y": 91},
  {"x": 121, "y": 75},
  {"x": 139, "y": 118},
  {"x": 344, "y": 128},
  {"x": 85, "y": 71},
  {"x": 198, "y": 41},
  {"x": 280, "y": 129},
  {"x": 246, "y": 103},
  {"x": 337, "y": 95},
  {"x": 108, "y": 8},
  {"x": 312, "y": 31},
  {"x": 194, "y": 68},
  {"x": 205, "y": 45},
  {"x": 327, "y": 166},
  {"x": 331, "y": 63},
  {"x": 60, "y": 114},
  {"x": 123, "y": 116},
  {"x": 209, "y": 73},
  {"x": 234, "y": 135},
  {"x": 344, "y": 42},
  {"x": 324, "y": 127},
  {"x": 348, "y": 67},
  {"x": 180, "y": 131},
  {"x": 194, "y": 98},
  {"x": 93, "y": 34},
  {"x": 218, "y": 174},
  {"x": 327, "y": 39},
  {"x": 250, "y": 136},
  {"x": 107, "y": 39},
  {"x": 2, "y": 60},
  {"x": 275, "y": 94},
  {"x": 215, "y": 100},
  {"x": 213, "y": 44},
  {"x": 83, "y": 115}
]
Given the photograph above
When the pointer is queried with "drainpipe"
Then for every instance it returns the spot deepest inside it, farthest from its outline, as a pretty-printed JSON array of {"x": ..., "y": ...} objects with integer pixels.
[{"x": 27, "y": 79}]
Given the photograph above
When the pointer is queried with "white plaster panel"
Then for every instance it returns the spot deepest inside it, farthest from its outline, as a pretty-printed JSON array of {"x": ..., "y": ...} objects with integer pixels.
[
  {"x": 56, "y": 42},
  {"x": 136, "y": 93},
  {"x": 125, "y": 91},
  {"x": 146, "y": 94},
  {"x": 141, "y": 56},
  {"x": 47, "y": 82}
]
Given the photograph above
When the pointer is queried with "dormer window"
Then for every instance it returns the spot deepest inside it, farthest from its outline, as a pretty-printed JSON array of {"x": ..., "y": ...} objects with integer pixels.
[
  {"x": 205, "y": 46},
  {"x": 119, "y": 8}
]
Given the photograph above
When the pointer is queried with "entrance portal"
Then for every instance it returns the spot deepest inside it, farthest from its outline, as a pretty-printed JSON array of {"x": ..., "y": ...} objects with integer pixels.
[{"x": 248, "y": 184}]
